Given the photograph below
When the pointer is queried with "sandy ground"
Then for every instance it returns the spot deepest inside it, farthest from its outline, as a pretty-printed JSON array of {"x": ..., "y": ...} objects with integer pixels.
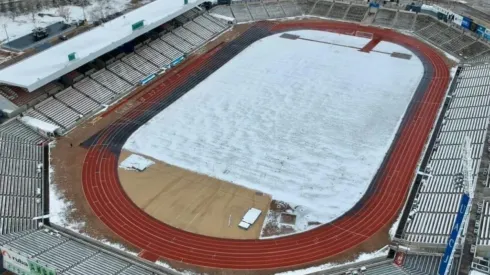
[{"x": 193, "y": 202}]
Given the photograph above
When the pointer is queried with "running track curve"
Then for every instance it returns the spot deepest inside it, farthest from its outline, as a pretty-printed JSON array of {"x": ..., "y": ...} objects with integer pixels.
[{"x": 111, "y": 205}]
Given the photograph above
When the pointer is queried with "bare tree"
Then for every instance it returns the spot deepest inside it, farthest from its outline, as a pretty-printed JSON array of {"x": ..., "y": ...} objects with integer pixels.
[
  {"x": 12, "y": 9},
  {"x": 65, "y": 12}
]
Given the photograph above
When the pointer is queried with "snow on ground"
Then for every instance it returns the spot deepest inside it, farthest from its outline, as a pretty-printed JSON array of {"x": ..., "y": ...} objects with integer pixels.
[
  {"x": 60, "y": 210},
  {"x": 475, "y": 272},
  {"x": 362, "y": 257},
  {"x": 136, "y": 162},
  {"x": 24, "y": 24},
  {"x": 308, "y": 124}
]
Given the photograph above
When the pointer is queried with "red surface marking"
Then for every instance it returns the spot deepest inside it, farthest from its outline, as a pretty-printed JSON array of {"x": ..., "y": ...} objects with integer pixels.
[
  {"x": 148, "y": 255},
  {"x": 370, "y": 45},
  {"x": 110, "y": 203}
]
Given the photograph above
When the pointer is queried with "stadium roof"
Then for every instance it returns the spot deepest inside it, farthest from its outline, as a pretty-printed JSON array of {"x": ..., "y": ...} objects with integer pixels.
[{"x": 46, "y": 66}]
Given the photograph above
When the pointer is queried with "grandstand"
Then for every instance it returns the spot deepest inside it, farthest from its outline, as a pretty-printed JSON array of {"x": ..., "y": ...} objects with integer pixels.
[{"x": 48, "y": 96}]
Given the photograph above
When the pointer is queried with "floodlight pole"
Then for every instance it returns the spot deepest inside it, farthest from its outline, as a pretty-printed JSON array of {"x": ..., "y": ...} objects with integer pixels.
[{"x": 468, "y": 188}]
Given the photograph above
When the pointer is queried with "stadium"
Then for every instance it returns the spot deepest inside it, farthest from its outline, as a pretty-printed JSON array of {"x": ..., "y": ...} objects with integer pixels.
[{"x": 249, "y": 137}]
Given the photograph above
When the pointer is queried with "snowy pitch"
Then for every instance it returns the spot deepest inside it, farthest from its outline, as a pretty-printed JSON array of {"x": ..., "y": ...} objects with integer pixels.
[
  {"x": 135, "y": 162},
  {"x": 307, "y": 122}
]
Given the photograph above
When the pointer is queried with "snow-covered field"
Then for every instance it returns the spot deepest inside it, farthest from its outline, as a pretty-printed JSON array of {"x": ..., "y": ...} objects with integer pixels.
[
  {"x": 21, "y": 25},
  {"x": 306, "y": 122}
]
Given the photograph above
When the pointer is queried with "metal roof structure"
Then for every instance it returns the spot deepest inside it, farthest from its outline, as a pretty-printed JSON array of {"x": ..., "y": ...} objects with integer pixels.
[{"x": 46, "y": 66}]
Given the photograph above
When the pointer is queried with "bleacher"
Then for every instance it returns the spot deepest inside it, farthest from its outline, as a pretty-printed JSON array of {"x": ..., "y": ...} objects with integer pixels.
[
  {"x": 426, "y": 264},
  {"x": 15, "y": 128},
  {"x": 338, "y": 10},
  {"x": 35, "y": 114},
  {"x": 240, "y": 12},
  {"x": 290, "y": 8},
  {"x": 140, "y": 64},
  {"x": 153, "y": 56},
  {"x": 21, "y": 197},
  {"x": 126, "y": 72},
  {"x": 437, "y": 198},
  {"x": 78, "y": 101},
  {"x": 189, "y": 36},
  {"x": 70, "y": 254},
  {"x": 178, "y": 43},
  {"x": 356, "y": 13},
  {"x": 257, "y": 10},
  {"x": 58, "y": 112},
  {"x": 166, "y": 49},
  {"x": 404, "y": 20},
  {"x": 274, "y": 10},
  {"x": 483, "y": 230},
  {"x": 457, "y": 43},
  {"x": 94, "y": 90},
  {"x": 321, "y": 8},
  {"x": 385, "y": 17},
  {"x": 198, "y": 30}
]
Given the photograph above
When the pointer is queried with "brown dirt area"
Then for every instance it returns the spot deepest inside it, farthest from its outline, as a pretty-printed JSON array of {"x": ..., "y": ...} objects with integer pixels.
[{"x": 193, "y": 202}]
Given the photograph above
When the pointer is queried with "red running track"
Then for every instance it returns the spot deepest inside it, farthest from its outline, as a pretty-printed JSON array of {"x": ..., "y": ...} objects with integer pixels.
[{"x": 110, "y": 203}]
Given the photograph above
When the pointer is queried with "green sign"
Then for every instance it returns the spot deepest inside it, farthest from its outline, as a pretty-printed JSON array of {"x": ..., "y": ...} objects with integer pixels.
[
  {"x": 138, "y": 25},
  {"x": 186, "y": 2},
  {"x": 71, "y": 57},
  {"x": 38, "y": 269}
]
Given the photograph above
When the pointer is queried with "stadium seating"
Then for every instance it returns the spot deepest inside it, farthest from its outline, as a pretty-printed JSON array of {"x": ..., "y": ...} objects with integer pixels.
[
  {"x": 153, "y": 56},
  {"x": 274, "y": 10},
  {"x": 306, "y": 6},
  {"x": 78, "y": 101},
  {"x": 58, "y": 112},
  {"x": 483, "y": 236},
  {"x": 321, "y": 8},
  {"x": 473, "y": 50},
  {"x": 15, "y": 128},
  {"x": 458, "y": 43},
  {"x": 166, "y": 49},
  {"x": 338, "y": 10},
  {"x": 70, "y": 255},
  {"x": 290, "y": 8},
  {"x": 384, "y": 17},
  {"x": 111, "y": 81},
  {"x": 213, "y": 26},
  {"x": 437, "y": 198},
  {"x": 404, "y": 20},
  {"x": 356, "y": 13},
  {"x": 94, "y": 90},
  {"x": 140, "y": 64},
  {"x": 189, "y": 36},
  {"x": 198, "y": 30},
  {"x": 240, "y": 12},
  {"x": 126, "y": 72},
  {"x": 425, "y": 264},
  {"x": 178, "y": 43},
  {"x": 223, "y": 10},
  {"x": 423, "y": 22},
  {"x": 20, "y": 179},
  {"x": 35, "y": 114},
  {"x": 257, "y": 10}
]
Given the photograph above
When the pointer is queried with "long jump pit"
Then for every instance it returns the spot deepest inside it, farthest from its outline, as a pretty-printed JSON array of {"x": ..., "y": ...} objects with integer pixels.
[{"x": 318, "y": 127}]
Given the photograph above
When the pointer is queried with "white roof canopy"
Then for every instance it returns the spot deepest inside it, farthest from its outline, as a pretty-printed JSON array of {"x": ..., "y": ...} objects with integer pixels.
[{"x": 46, "y": 66}]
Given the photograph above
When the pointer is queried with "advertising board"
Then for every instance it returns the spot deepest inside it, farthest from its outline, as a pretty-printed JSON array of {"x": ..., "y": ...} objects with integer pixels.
[
  {"x": 13, "y": 261},
  {"x": 466, "y": 23},
  {"x": 451, "y": 244},
  {"x": 487, "y": 34},
  {"x": 458, "y": 19},
  {"x": 480, "y": 30}
]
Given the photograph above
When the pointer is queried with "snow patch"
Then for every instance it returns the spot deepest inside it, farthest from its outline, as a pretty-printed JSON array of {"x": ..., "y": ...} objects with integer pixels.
[
  {"x": 362, "y": 257},
  {"x": 292, "y": 122},
  {"x": 136, "y": 162}
]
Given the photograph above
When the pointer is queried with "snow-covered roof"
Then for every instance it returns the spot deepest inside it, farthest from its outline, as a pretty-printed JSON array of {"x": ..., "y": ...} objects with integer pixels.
[
  {"x": 46, "y": 66},
  {"x": 251, "y": 215}
]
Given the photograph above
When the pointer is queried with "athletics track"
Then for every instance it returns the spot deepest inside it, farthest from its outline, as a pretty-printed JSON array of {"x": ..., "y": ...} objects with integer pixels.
[{"x": 377, "y": 210}]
